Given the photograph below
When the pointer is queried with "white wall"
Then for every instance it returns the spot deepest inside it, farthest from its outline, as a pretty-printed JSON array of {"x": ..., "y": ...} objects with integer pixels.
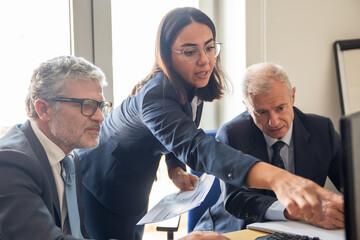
[
  {"x": 299, "y": 35},
  {"x": 229, "y": 19}
]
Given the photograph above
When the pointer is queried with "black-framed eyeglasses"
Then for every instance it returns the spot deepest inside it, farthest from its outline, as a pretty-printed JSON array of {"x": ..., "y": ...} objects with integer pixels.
[
  {"x": 88, "y": 106},
  {"x": 192, "y": 53}
]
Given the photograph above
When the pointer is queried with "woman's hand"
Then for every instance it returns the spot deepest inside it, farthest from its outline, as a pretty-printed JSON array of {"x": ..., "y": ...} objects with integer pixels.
[
  {"x": 182, "y": 179},
  {"x": 306, "y": 200},
  {"x": 334, "y": 217},
  {"x": 301, "y": 197}
]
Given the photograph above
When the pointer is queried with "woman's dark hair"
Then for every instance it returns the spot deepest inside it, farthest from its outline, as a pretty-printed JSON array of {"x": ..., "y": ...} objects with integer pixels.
[{"x": 170, "y": 26}]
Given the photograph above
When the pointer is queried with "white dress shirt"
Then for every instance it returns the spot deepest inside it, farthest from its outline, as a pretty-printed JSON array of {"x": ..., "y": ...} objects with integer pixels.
[{"x": 55, "y": 155}]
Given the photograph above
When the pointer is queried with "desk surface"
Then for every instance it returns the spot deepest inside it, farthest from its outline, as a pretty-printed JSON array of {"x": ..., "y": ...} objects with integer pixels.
[{"x": 245, "y": 234}]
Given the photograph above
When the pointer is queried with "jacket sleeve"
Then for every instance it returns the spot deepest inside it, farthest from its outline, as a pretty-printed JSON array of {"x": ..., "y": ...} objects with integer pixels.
[
  {"x": 165, "y": 118},
  {"x": 172, "y": 162},
  {"x": 245, "y": 203},
  {"x": 24, "y": 214}
]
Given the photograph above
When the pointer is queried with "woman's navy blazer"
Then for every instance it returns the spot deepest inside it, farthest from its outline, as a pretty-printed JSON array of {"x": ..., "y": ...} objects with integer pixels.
[{"x": 121, "y": 170}]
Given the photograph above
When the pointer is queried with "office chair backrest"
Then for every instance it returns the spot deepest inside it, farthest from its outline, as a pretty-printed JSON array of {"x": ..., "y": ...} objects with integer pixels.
[{"x": 195, "y": 214}]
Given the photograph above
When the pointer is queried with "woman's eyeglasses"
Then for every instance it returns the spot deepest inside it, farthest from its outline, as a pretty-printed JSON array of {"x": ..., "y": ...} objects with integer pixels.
[{"x": 192, "y": 54}]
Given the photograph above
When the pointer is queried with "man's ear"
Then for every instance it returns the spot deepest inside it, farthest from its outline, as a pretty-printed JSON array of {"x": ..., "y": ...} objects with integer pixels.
[
  {"x": 43, "y": 109},
  {"x": 293, "y": 96}
]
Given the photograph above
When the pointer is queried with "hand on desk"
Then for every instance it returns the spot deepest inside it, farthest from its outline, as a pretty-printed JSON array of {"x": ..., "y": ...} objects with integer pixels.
[
  {"x": 204, "y": 235},
  {"x": 182, "y": 179},
  {"x": 333, "y": 215}
]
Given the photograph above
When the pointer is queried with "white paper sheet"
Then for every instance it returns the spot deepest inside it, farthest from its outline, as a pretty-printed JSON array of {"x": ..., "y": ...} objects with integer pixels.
[
  {"x": 178, "y": 203},
  {"x": 299, "y": 228}
]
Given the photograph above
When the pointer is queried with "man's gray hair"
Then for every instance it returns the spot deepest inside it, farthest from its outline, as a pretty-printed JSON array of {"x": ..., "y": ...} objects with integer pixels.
[
  {"x": 257, "y": 76},
  {"x": 48, "y": 80}
]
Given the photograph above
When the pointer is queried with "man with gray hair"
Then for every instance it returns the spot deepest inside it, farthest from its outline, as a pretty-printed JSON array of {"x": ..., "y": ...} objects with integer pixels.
[
  {"x": 275, "y": 131},
  {"x": 40, "y": 175},
  {"x": 40, "y": 184}
]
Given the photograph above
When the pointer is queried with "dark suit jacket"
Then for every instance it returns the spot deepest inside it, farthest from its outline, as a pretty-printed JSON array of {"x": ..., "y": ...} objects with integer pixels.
[
  {"x": 29, "y": 203},
  {"x": 121, "y": 170},
  {"x": 316, "y": 156}
]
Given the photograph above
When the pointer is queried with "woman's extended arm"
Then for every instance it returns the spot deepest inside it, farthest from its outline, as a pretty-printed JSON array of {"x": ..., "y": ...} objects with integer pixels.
[{"x": 300, "y": 196}]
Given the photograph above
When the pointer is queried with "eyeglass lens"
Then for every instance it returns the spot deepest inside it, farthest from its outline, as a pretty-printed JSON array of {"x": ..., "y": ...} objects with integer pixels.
[
  {"x": 89, "y": 107},
  {"x": 105, "y": 108},
  {"x": 192, "y": 54}
]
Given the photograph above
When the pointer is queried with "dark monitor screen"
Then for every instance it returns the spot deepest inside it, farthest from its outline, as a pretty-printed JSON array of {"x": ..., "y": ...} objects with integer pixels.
[{"x": 350, "y": 138}]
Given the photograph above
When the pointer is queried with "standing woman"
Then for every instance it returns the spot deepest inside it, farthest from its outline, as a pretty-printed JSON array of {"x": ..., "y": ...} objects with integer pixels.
[{"x": 161, "y": 116}]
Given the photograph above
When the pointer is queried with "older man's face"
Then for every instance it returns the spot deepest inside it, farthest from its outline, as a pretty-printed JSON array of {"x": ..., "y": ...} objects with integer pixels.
[
  {"x": 273, "y": 112},
  {"x": 69, "y": 128}
]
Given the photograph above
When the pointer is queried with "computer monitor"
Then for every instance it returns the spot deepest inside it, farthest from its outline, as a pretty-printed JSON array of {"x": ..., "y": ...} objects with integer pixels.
[{"x": 350, "y": 138}]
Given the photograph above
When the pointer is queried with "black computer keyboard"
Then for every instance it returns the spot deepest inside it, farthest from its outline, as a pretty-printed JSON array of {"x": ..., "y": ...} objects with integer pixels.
[{"x": 285, "y": 236}]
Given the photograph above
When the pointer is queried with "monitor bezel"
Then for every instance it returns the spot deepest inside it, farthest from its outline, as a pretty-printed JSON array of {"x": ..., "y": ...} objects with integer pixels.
[{"x": 347, "y": 142}]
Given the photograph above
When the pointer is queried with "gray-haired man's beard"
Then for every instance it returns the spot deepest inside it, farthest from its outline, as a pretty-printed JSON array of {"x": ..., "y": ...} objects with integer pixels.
[{"x": 72, "y": 137}]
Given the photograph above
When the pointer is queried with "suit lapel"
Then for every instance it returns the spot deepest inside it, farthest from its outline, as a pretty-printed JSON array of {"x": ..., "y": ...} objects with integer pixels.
[
  {"x": 78, "y": 192},
  {"x": 259, "y": 148},
  {"x": 188, "y": 111},
  {"x": 303, "y": 150},
  {"x": 258, "y": 145},
  {"x": 44, "y": 161},
  {"x": 198, "y": 114}
]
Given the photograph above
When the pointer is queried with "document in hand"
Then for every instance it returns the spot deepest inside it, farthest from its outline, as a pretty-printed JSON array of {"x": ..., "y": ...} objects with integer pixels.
[
  {"x": 175, "y": 204},
  {"x": 295, "y": 227}
]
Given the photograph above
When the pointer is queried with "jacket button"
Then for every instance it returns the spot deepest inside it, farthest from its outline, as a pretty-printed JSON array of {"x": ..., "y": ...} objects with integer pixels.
[{"x": 230, "y": 175}]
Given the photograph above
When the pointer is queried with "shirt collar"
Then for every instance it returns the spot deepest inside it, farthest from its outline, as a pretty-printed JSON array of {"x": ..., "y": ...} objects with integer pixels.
[
  {"x": 53, "y": 152},
  {"x": 286, "y": 139}
]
